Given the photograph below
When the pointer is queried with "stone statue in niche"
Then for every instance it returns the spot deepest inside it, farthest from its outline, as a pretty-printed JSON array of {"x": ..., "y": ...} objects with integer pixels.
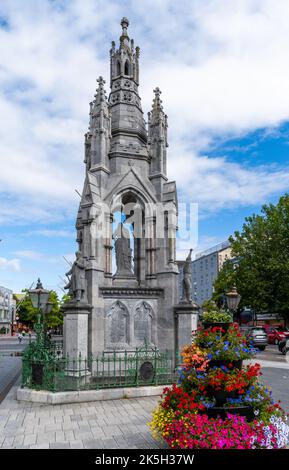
[
  {"x": 187, "y": 281},
  {"x": 76, "y": 279},
  {"x": 143, "y": 324},
  {"x": 123, "y": 252}
]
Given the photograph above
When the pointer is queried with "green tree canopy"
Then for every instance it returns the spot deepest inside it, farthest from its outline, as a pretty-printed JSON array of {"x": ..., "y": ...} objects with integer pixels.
[
  {"x": 261, "y": 266},
  {"x": 26, "y": 313}
]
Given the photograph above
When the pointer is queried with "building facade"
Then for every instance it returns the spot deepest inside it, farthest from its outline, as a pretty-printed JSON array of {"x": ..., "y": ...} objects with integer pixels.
[
  {"x": 7, "y": 310},
  {"x": 205, "y": 269}
]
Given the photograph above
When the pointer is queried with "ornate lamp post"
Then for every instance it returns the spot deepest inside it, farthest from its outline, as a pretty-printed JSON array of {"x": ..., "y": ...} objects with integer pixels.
[
  {"x": 39, "y": 298},
  {"x": 233, "y": 300},
  {"x": 37, "y": 354}
]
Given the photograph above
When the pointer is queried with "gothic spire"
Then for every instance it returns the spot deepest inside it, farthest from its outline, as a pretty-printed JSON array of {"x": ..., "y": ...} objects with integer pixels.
[
  {"x": 97, "y": 139},
  {"x": 128, "y": 129},
  {"x": 124, "y": 60},
  {"x": 124, "y": 38},
  {"x": 157, "y": 113},
  {"x": 99, "y": 102},
  {"x": 100, "y": 96},
  {"x": 157, "y": 140}
]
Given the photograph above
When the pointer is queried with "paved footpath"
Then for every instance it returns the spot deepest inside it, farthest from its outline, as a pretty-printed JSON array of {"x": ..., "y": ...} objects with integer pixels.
[{"x": 113, "y": 424}]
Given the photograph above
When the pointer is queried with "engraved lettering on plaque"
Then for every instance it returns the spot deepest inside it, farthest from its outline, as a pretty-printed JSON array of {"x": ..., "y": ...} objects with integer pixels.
[{"x": 143, "y": 320}]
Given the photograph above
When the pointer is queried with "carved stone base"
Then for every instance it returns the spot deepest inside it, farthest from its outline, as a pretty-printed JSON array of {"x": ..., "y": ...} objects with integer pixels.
[{"x": 124, "y": 279}]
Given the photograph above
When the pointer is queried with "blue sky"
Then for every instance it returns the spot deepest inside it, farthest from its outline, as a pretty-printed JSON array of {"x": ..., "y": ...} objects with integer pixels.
[{"x": 223, "y": 70}]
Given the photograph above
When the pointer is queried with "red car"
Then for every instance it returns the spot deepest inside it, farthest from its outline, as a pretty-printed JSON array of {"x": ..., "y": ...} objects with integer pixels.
[{"x": 276, "y": 333}]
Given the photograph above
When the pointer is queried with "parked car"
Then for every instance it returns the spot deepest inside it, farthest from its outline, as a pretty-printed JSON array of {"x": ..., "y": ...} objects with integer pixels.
[
  {"x": 257, "y": 336},
  {"x": 276, "y": 333},
  {"x": 244, "y": 329},
  {"x": 283, "y": 346}
]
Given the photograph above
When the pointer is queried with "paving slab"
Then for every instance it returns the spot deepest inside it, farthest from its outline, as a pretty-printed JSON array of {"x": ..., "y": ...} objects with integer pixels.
[{"x": 117, "y": 424}]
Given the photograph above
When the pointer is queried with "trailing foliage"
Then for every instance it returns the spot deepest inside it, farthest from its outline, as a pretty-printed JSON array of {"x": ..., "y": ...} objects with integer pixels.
[{"x": 216, "y": 316}]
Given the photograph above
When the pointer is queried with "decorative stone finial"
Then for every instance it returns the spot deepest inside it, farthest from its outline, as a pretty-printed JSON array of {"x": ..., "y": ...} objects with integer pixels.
[
  {"x": 157, "y": 91},
  {"x": 100, "y": 81},
  {"x": 99, "y": 97},
  {"x": 100, "y": 92},
  {"x": 124, "y": 24},
  {"x": 157, "y": 102},
  {"x": 124, "y": 39}
]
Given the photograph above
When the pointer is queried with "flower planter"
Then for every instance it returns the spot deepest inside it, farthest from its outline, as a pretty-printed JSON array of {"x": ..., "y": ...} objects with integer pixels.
[
  {"x": 222, "y": 396},
  {"x": 224, "y": 326},
  {"x": 221, "y": 412},
  {"x": 236, "y": 364}
]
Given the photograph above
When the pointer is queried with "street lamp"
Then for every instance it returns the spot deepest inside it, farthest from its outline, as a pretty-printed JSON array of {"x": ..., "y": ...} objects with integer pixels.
[
  {"x": 233, "y": 299},
  {"x": 39, "y": 298}
]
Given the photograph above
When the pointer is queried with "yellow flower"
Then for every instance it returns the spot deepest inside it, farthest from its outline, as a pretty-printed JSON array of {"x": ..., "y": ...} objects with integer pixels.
[{"x": 160, "y": 419}]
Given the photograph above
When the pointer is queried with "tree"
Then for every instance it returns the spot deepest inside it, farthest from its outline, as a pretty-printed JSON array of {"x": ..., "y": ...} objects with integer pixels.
[
  {"x": 26, "y": 312},
  {"x": 55, "y": 317},
  {"x": 261, "y": 273}
]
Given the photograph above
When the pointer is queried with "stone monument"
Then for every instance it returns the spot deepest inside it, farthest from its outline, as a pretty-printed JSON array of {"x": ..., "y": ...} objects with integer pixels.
[{"x": 124, "y": 281}]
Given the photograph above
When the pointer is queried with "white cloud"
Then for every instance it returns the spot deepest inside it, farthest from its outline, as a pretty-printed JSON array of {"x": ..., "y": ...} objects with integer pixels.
[
  {"x": 52, "y": 233},
  {"x": 37, "y": 256},
  {"x": 222, "y": 67},
  {"x": 215, "y": 183},
  {"x": 10, "y": 264},
  {"x": 30, "y": 254}
]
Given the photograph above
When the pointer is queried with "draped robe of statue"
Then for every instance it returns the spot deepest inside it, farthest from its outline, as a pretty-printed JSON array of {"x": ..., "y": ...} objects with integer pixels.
[{"x": 123, "y": 252}]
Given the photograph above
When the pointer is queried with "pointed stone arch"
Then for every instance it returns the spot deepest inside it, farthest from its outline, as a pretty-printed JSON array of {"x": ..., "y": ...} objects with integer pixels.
[
  {"x": 117, "y": 326},
  {"x": 144, "y": 200},
  {"x": 135, "y": 204},
  {"x": 144, "y": 325}
]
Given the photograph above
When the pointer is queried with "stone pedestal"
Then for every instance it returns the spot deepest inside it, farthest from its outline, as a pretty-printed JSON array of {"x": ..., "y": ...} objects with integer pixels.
[
  {"x": 75, "y": 332},
  {"x": 75, "y": 346},
  {"x": 186, "y": 321}
]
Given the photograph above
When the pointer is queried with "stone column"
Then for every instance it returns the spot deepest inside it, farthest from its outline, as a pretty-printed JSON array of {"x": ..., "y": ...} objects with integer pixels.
[
  {"x": 186, "y": 321},
  {"x": 75, "y": 340},
  {"x": 171, "y": 238},
  {"x": 150, "y": 247}
]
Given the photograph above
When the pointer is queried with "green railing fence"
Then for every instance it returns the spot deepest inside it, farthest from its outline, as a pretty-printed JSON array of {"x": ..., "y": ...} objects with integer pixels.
[{"x": 52, "y": 371}]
